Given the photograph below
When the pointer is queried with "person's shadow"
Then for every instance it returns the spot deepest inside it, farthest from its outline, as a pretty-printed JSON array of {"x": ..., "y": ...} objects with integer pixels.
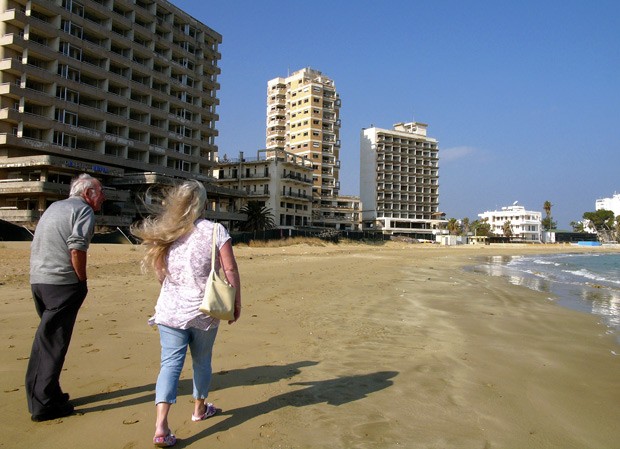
[
  {"x": 335, "y": 391},
  {"x": 221, "y": 380}
]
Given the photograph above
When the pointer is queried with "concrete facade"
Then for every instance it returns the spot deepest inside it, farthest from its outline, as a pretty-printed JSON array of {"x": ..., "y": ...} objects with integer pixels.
[
  {"x": 303, "y": 117},
  {"x": 122, "y": 89},
  {"x": 276, "y": 179},
  {"x": 399, "y": 181}
]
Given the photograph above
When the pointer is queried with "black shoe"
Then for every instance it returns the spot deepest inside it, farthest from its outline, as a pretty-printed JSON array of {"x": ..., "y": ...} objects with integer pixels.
[{"x": 57, "y": 411}]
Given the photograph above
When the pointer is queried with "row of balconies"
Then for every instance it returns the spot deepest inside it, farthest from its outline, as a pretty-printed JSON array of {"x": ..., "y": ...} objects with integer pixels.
[
  {"x": 298, "y": 177},
  {"x": 120, "y": 71},
  {"x": 101, "y": 102},
  {"x": 398, "y": 165},
  {"x": 135, "y": 23},
  {"x": 338, "y": 218},
  {"x": 410, "y": 187},
  {"x": 515, "y": 221},
  {"x": 406, "y": 205},
  {"x": 344, "y": 207},
  {"x": 130, "y": 158},
  {"x": 408, "y": 180},
  {"x": 389, "y": 151},
  {"x": 418, "y": 172},
  {"x": 21, "y": 187},
  {"x": 15, "y": 215},
  {"x": 413, "y": 160},
  {"x": 92, "y": 139},
  {"x": 389, "y": 139},
  {"x": 89, "y": 41},
  {"x": 237, "y": 177},
  {"x": 410, "y": 215},
  {"x": 158, "y": 132}
]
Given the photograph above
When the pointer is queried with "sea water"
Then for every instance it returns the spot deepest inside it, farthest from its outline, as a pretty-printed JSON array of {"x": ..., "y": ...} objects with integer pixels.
[{"x": 585, "y": 282}]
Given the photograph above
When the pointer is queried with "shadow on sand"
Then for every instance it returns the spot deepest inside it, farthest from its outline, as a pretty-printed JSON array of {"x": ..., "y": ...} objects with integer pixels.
[
  {"x": 255, "y": 375},
  {"x": 336, "y": 391}
]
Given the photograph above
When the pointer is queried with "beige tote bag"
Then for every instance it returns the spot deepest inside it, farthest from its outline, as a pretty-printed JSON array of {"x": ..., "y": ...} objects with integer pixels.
[{"x": 219, "y": 297}]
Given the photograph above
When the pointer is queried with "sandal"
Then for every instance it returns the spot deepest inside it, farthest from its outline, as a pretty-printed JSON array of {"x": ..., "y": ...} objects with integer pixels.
[
  {"x": 166, "y": 441},
  {"x": 210, "y": 411}
]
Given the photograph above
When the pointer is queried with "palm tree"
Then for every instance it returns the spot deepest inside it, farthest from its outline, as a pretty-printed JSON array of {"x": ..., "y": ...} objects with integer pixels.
[
  {"x": 465, "y": 226},
  {"x": 453, "y": 226},
  {"x": 260, "y": 218},
  {"x": 547, "y": 222},
  {"x": 507, "y": 228},
  {"x": 547, "y": 207}
]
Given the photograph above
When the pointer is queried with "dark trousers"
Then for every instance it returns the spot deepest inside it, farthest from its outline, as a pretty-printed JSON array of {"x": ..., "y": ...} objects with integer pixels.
[{"x": 57, "y": 306}]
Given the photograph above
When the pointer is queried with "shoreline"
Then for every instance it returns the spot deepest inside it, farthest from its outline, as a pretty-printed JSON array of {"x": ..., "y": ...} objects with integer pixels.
[
  {"x": 582, "y": 296},
  {"x": 366, "y": 346}
]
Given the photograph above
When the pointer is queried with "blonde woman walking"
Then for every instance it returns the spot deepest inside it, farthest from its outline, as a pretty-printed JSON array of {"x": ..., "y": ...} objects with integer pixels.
[{"x": 178, "y": 245}]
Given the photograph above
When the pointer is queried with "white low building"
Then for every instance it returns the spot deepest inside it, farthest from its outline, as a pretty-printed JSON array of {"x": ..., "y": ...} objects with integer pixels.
[
  {"x": 524, "y": 224},
  {"x": 612, "y": 204}
]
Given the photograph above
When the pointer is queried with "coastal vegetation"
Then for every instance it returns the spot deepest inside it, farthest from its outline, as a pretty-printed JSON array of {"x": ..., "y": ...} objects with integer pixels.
[
  {"x": 547, "y": 223},
  {"x": 260, "y": 218}
]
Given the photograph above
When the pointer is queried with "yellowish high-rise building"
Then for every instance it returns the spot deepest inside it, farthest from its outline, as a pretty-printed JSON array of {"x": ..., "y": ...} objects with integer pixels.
[{"x": 303, "y": 118}]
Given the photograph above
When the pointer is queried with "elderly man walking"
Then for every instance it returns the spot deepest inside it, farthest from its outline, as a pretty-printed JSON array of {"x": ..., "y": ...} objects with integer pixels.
[{"x": 58, "y": 283}]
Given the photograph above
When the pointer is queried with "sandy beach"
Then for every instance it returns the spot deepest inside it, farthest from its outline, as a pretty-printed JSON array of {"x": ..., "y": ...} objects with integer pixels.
[{"x": 338, "y": 346}]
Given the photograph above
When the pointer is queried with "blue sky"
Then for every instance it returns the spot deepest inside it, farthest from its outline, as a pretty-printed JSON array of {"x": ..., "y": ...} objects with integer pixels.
[{"x": 523, "y": 96}]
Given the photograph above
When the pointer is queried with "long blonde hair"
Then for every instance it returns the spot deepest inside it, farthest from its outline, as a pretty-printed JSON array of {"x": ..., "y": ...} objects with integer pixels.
[{"x": 180, "y": 207}]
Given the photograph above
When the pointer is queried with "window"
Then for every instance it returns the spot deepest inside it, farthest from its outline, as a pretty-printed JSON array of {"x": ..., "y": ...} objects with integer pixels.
[
  {"x": 71, "y": 28},
  {"x": 189, "y": 30},
  {"x": 71, "y": 50},
  {"x": 185, "y": 62},
  {"x": 74, "y": 7},
  {"x": 64, "y": 140},
  {"x": 66, "y": 117},
  {"x": 68, "y": 72},
  {"x": 67, "y": 94}
]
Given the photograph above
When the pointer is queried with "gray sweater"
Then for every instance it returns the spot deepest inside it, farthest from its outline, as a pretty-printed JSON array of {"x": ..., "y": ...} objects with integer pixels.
[{"x": 65, "y": 225}]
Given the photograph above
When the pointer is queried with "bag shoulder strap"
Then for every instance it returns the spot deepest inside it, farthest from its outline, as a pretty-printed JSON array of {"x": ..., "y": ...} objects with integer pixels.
[{"x": 213, "y": 246}]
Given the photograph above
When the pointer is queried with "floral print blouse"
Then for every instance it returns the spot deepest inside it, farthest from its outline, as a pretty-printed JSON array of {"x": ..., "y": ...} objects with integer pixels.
[{"x": 189, "y": 264}]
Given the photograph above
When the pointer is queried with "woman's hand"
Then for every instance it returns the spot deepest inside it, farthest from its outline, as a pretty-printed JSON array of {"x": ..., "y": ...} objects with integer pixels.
[{"x": 237, "y": 312}]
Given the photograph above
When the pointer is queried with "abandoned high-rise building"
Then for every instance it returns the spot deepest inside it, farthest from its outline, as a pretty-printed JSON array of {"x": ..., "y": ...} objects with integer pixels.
[
  {"x": 399, "y": 181},
  {"x": 122, "y": 89},
  {"x": 303, "y": 118}
]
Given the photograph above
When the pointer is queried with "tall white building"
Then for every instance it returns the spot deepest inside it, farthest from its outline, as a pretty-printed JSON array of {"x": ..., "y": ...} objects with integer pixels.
[
  {"x": 399, "y": 181},
  {"x": 525, "y": 224},
  {"x": 612, "y": 204}
]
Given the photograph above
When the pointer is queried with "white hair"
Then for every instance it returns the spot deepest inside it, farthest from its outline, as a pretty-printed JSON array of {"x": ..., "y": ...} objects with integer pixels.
[{"x": 81, "y": 184}]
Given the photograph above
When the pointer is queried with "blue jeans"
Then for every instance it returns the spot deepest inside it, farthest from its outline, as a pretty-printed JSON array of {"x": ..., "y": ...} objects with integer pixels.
[{"x": 174, "y": 343}]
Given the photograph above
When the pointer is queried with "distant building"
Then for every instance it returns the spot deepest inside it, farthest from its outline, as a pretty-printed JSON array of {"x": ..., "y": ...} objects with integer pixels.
[
  {"x": 124, "y": 90},
  {"x": 525, "y": 224},
  {"x": 612, "y": 204},
  {"x": 282, "y": 182},
  {"x": 399, "y": 181},
  {"x": 276, "y": 179},
  {"x": 303, "y": 118},
  {"x": 341, "y": 212}
]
